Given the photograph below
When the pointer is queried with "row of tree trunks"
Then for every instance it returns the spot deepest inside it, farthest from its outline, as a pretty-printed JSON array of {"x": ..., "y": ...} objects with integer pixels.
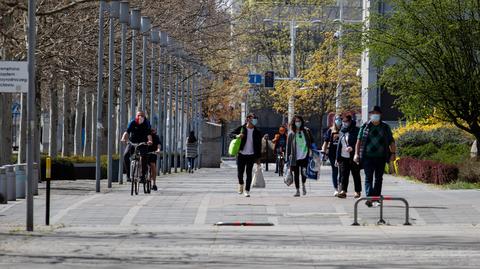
[{"x": 79, "y": 107}]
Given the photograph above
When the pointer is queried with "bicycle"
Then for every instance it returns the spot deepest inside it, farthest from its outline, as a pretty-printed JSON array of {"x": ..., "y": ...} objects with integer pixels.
[{"x": 136, "y": 170}]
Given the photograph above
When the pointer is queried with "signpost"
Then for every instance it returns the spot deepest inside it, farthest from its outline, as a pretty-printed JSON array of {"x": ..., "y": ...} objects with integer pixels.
[{"x": 13, "y": 76}]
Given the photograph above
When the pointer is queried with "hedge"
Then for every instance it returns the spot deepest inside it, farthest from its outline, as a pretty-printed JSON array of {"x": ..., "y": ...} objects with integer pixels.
[
  {"x": 62, "y": 167},
  {"x": 428, "y": 171}
]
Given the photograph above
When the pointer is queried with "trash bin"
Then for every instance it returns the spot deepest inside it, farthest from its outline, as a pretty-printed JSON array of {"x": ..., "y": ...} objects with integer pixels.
[
  {"x": 36, "y": 178},
  {"x": 11, "y": 185},
  {"x": 3, "y": 186},
  {"x": 20, "y": 181}
]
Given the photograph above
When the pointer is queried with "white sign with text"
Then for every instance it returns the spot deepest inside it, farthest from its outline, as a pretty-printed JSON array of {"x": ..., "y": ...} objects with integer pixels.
[{"x": 13, "y": 76}]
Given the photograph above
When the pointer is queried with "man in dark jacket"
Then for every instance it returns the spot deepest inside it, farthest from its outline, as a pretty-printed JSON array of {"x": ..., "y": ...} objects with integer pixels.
[
  {"x": 250, "y": 151},
  {"x": 344, "y": 158},
  {"x": 375, "y": 148}
]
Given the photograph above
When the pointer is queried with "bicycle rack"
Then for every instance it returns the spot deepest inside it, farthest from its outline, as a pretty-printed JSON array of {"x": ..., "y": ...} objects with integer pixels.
[{"x": 381, "y": 199}]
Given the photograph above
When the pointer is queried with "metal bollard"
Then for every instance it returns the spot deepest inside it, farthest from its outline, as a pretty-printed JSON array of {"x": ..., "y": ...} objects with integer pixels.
[
  {"x": 381, "y": 199},
  {"x": 3, "y": 186},
  {"x": 36, "y": 178},
  {"x": 20, "y": 181},
  {"x": 11, "y": 185}
]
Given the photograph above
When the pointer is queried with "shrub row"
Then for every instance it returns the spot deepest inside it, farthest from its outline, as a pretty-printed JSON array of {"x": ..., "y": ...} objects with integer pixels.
[
  {"x": 449, "y": 153},
  {"x": 428, "y": 171},
  {"x": 439, "y": 134},
  {"x": 63, "y": 168}
]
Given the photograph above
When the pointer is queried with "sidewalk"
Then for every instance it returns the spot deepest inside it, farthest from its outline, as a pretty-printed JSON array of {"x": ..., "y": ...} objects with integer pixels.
[{"x": 174, "y": 226}]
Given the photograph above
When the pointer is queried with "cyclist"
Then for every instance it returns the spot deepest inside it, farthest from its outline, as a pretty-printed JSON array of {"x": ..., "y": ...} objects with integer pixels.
[
  {"x": 152, "y": 158},
  {"x": 138, "y": 131}
]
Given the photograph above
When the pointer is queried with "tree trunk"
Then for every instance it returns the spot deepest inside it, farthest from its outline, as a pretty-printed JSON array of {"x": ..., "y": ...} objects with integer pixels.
[
  {"x": 6, "y": 128},
  {"x": 53, "y": 147},
  {"x": 22, "y": 149},
  {"x": 78, "y": 121},
  {"x": 67, "y": 122},
  {"x": 93, "y": 125},
  {"x": 87, "y": 150}
]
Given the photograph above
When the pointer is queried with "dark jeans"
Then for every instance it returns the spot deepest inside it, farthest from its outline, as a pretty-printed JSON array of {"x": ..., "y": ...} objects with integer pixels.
[
  {"x": 129, "y": 150},
  {"x": 297, "y": 170},
  {"x": 374, "y": 167},
  {"x": 334, "y": 171},
  {"x": 245, "y": 162},
  {"x": 191, "y": 163},
  {"x": 347, "y": 166}
]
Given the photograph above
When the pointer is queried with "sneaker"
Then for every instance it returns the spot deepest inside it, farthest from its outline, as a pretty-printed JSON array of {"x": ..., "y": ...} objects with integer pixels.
[
  {"x": 304, "y": 190},
  {"x": 335, "y": 194},
  {"x": 369, "y": 203},
  {"x": 154, "y": 187},
  {"x": 376, "y": 203},
  {"x": 297, "y": 194},
  {"x": 247, "y": 194},
  {"x": 342, "y": 195},
  {"x": 240, "y": 189},
  {"x": 357, "y": 195}
]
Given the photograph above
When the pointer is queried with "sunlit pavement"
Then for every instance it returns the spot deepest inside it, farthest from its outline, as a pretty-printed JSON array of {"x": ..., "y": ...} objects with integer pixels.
[{"x": 174, "y": 227}]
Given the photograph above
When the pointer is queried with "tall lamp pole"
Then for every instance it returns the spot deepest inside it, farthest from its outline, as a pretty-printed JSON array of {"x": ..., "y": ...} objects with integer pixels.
[
  {"x": 30, "y": 110},
  {"x": 99, "y": 126},
  {"x": 155, "y": 37},
  {"x": 164, "y": 70},
  {"x": 135, "y": 25},
  {"x": 145, "y": 26},
  {"x": 291, "y": 100},
  {"x": 114, "y": 13},
  {"x": 124, "y": 19}
]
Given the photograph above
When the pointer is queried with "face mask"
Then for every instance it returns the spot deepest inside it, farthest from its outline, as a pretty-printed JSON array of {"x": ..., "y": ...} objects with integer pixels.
[
  {"x": 254, "y": 122},
  {"x": 375, "y": 117},
  {"x": 338, "y": 122},
  {"x": 298, "y": 124}
]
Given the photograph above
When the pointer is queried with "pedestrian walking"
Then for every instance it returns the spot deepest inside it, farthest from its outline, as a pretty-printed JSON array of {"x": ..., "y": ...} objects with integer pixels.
[
  {"x": 250, "y": 151},
  {"x": 280, "y": 144},
  {"x": 191, "y": 151},
  {"x": 153, "y": 150},
  {"x": 265, "y": 150},
  {"x": 375, "y": 147},
  {"x": 299, "y": 144},
  {"x": 330, "y": 145},
  {"x": 345, "y": 154}
]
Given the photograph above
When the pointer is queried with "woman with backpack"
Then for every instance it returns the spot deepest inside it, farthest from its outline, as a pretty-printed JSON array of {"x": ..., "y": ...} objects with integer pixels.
[{"x": 299, "y": 144}]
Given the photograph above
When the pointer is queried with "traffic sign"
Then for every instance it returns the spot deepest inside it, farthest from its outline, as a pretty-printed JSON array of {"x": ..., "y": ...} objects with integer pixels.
[
  {"x": 13, "y": 76},
  {"x": 254, "y": 78}
]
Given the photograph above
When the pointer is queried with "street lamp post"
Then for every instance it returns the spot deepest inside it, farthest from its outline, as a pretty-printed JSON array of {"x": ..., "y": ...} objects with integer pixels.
[
  {"x": 135, "y": 25},
  {"x": 175, "y": 128},
  {"x": 99, "y": 126},
  {"x": 155, "y": 37},
  {"x": 161, "y": 100},
  {"x": 163, "y": 54},
  {"x": 124, "y": 19},
  {"x": 114, "y": 13},
  {"x": 182, "y": 125},
  {"x": 170, "y": 106},
  {"x": 291, "y": 100},
  {"x": 145, "y": 26},
  {"x": 30, "y": 110}
]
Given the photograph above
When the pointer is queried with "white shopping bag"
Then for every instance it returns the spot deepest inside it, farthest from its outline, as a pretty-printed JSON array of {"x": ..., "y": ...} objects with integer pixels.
[{"x": 258, "y": 180}]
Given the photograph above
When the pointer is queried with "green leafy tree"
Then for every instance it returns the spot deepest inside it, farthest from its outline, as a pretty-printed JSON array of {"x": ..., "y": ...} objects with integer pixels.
[{"x": 429, "y": 51}]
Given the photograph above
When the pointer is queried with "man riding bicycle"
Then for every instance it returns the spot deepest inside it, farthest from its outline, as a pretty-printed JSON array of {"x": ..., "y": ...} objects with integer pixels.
[{"x": 138, "y": 131}]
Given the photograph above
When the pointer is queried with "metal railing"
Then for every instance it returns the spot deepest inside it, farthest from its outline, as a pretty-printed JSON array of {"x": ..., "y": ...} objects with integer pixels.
[{"x": 381, "y": 199}]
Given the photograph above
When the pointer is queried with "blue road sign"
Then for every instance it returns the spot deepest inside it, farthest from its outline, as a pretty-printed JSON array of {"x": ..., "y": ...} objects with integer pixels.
[{"x": 254, "y": 78}]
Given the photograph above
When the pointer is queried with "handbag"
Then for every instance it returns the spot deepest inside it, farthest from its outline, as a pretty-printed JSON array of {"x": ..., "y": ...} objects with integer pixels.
[
  {"x": 234, "y": 147},
  {"x": 288, "y": 179},
  {"x": 258, "y": 179},
  {"x": 311, "y": 173}
]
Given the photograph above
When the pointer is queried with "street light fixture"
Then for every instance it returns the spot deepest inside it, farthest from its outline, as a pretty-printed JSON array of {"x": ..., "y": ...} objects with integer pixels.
[
  {"x": 145, "y": 26},
  {"x": 114, "y": 14},
  {"x": 164, "y": 69},
  {"x": 124, "y": 19}
]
